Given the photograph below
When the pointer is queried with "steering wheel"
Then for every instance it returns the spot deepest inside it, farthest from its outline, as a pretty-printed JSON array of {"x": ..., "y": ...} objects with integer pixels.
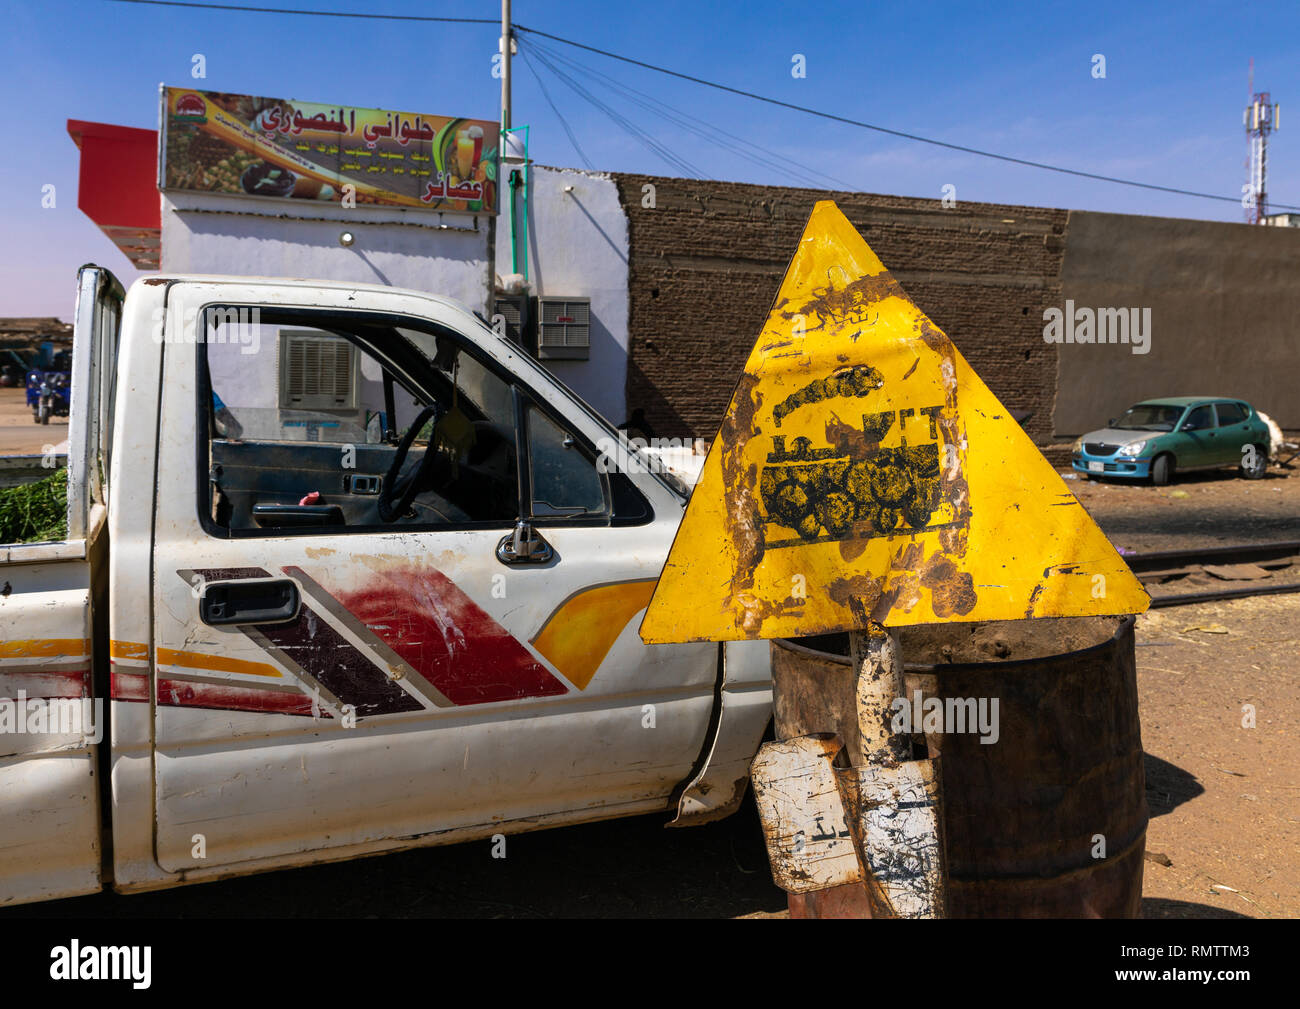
[{"x": 393, "y": 504}]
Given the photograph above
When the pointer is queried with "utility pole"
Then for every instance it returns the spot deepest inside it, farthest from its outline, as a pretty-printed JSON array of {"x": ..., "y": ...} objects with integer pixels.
[{"x": 507, "y": 38}]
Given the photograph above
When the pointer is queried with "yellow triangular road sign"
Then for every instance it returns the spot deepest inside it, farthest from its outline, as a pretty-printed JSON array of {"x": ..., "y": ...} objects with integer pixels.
[{"x": 863, "y": 471}]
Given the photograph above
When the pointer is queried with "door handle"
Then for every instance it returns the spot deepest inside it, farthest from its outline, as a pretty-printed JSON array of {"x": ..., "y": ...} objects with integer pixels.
[
  {"x": 524, "y": 546},
  {"x": 266, "y": 601},
  {"x": 295, "y": 516}
]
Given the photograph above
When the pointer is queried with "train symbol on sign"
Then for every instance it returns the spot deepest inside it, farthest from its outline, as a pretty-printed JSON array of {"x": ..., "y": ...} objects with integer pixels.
[{"x": 829, "y": 494}]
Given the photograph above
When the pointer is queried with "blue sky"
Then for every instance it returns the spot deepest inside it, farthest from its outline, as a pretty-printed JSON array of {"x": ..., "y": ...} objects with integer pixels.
[{"x": 1010, "y": 77}]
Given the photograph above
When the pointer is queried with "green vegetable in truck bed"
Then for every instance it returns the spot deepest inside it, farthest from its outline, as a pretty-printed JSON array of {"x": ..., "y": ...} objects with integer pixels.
[{"x": 35, "y": 512}]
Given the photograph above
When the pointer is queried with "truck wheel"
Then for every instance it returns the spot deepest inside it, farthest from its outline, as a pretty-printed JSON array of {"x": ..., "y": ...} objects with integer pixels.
[
  {"x": 1260, "y": 467},
  {"x": 1161, "y": 470}
]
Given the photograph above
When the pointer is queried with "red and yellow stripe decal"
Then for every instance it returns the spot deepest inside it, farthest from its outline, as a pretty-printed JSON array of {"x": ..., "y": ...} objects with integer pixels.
[
  {"x": 45, "y": 648},
  {"x": 464, "y": 658},
  {"x": 576, "y": 638}
]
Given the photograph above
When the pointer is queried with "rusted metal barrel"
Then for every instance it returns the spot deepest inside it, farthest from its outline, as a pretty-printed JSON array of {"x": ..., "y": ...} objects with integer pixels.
[{"x": 1027, "y": 817}]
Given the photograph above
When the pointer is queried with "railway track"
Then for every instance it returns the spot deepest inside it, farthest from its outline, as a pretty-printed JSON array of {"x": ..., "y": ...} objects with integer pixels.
[{"x": 1258, "y": 564}]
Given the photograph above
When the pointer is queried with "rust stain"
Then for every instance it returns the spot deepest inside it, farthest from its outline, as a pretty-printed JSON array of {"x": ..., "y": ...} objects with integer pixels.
[
  {"x": 952, "y": 591},
  {"x": 849, "y": 440},
  {"x": 952, "y": 429},
  {"x": 849, "y": 303},
  {"x": 855, "y": 590},
  {"x": 934, "y": 337},
  {"x": 909, "y": 558},
  {"x": 905, "y": 587},
  {"x": 1033, "y": 598},
  {"x": 752, "y": 611},
  {"x": 903, "y": 594},
  {"x": 740, "y": 481},
  {"x": 851, "y": 550}
]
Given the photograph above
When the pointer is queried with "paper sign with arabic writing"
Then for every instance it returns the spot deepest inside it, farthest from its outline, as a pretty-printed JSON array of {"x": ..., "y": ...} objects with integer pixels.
[{"x": 864, "y": 472}]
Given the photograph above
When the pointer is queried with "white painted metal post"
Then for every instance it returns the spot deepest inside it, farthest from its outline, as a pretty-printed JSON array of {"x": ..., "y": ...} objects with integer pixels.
[
  {"x": 898, "y": 831},
  {"x": 878, "y": 665}
]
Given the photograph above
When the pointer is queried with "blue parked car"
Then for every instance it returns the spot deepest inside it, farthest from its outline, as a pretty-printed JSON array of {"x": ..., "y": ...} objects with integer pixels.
[{"x": 1157, "y": 437}]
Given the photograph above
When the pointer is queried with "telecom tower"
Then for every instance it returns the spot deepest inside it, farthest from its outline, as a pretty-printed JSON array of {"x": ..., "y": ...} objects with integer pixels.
[{"x": 1261, "y": 118}]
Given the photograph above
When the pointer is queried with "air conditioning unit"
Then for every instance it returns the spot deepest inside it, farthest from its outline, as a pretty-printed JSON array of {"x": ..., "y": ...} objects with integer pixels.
[
  {"x": 564, "y": 328},
  {"x": 318, "y": 371},
  {"x": 517, "y": 311}
]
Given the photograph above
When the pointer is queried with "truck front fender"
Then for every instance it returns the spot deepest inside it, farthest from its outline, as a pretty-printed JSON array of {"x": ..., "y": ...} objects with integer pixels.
[{"x": 742, "y": 709}]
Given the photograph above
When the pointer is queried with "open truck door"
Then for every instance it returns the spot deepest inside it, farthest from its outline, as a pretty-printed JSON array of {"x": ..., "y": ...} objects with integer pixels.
[
  {"x": 51, "y": 630},
  {"x": 394, "y": 591}
]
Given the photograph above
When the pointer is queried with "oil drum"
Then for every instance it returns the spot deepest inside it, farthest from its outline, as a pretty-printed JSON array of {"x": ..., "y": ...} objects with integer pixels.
[{"x": 1044, "y": 818}]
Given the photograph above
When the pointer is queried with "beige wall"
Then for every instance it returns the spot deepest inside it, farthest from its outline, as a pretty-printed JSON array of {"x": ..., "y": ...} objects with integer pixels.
[{"x": 1225, "y": 315}]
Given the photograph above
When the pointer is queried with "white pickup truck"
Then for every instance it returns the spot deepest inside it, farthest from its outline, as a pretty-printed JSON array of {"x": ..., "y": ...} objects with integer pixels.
[{"x": 345, "y": 573}]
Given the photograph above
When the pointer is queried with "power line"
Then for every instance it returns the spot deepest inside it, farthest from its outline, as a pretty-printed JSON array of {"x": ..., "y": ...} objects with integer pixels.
[
  {"x": 627, "y": 125},
  {"x": 563, "y": 122},
  {"x": 630, "y": 127},
  {"x": 884, "y": 129},
  {"x": 318, "y": 14},
  {"x": 761, "y": 156},
  {"x": 832, "y": 117}
]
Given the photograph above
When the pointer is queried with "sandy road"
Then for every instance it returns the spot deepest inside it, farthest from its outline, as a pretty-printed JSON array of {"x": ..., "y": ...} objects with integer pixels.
[{"x": 19, "y": 434}]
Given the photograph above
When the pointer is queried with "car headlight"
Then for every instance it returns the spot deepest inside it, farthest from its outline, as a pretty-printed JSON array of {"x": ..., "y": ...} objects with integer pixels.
[
  {"x": 1132, "y": 448},
  {"x": 1078, "y": 444}
]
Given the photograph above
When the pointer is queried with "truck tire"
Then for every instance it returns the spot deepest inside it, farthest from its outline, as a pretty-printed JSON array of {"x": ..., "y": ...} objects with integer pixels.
[
  {"x": 1257, "y": 471},
  {"x": 1162, "y": 469}
]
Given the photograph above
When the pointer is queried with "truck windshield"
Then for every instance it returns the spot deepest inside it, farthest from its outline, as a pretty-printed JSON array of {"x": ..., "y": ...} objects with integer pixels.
[{"x": 1149, "y": 417}]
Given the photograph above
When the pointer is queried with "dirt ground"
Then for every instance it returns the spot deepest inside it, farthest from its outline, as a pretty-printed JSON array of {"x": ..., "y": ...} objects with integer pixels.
[
  {"x": 1224, "y": 797},
  {"x": 19, "y": 434},
  {"x": 1224, "y": 803},
  {"x": 1212, "y": 508}
]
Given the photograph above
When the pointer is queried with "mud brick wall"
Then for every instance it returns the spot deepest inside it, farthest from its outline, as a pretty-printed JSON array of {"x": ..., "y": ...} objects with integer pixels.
[{"x": 706, "y": 261}]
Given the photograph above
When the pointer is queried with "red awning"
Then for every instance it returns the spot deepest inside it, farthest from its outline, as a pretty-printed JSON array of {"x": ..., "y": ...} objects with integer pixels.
[{"x": 118, "y": 188}]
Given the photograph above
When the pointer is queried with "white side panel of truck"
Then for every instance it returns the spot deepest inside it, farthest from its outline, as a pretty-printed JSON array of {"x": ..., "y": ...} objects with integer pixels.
[{"x": 51, "y": 710}]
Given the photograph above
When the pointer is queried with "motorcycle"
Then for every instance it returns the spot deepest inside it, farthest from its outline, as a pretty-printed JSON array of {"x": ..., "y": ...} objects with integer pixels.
[{"x": 48, "y": 395}]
